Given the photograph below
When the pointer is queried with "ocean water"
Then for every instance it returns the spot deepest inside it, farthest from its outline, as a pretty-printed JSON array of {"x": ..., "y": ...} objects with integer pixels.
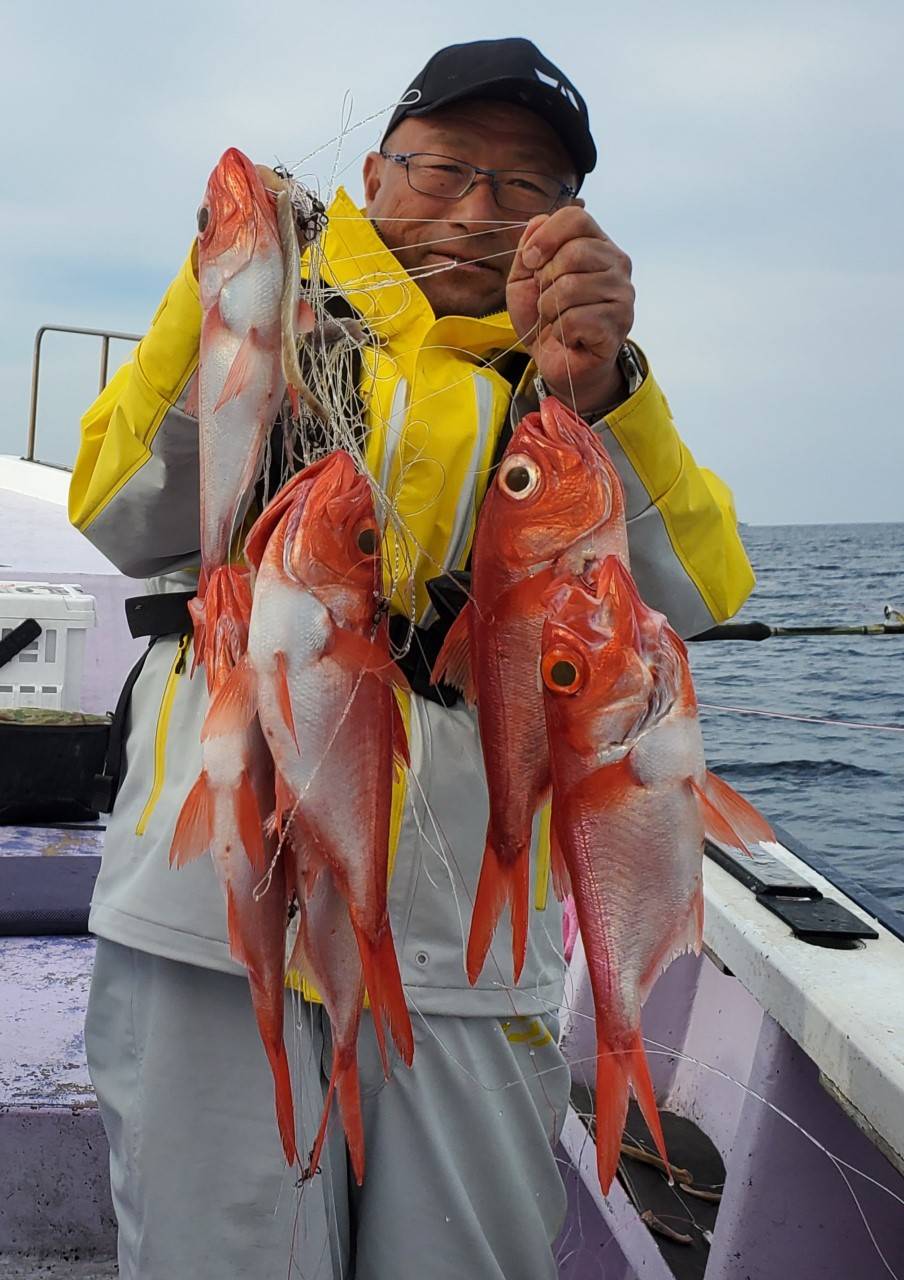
[{"x": 839, "y": 790}]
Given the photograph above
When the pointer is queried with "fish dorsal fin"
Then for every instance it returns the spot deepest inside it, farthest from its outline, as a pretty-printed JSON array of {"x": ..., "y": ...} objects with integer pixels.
[
  {"x": 728, "y": 818},
  {"x": 453, "y": 664}
]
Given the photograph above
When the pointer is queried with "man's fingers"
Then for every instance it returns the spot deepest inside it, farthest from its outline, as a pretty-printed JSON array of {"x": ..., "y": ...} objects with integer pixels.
[
  {"x": 584, "y": 255},
  {"x": 585, "y": 288},
  {"x": 541, "y": 243},
  {"x": 520, "y": 269},
  {"x": 586, "y": 326}
]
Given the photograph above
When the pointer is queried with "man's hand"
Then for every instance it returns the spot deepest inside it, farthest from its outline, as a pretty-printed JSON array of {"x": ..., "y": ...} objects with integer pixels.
[{"x": 571, "y": 301}]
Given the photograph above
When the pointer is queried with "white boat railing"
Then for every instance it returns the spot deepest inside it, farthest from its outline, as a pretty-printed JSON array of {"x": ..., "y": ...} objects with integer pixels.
[{"x": 104, "y": 334}]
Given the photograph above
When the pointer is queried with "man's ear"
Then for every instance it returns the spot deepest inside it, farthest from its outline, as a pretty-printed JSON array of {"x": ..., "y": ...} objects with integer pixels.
[{"x": 373, "y": 175}]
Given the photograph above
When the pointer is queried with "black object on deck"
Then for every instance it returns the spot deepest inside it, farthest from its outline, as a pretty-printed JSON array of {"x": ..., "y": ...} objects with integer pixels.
[
  {"x": 812, "y": 918},
  {"x": 46, "y": 896},
  {"x": 47, "y": 771}
]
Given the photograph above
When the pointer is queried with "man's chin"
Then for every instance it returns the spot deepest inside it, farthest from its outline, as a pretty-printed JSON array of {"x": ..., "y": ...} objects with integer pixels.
[{"x": 450, "y": 299}]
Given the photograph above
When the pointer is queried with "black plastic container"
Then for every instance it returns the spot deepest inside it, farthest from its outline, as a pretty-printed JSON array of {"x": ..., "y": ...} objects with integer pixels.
[{"x": 47, "y": 771}]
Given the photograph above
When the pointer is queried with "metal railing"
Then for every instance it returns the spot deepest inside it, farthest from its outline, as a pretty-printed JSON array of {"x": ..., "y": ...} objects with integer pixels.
[{"x": 104, "y": 334}]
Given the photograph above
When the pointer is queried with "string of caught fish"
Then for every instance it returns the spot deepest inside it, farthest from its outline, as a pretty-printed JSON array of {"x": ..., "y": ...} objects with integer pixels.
[
  {"x": 237, "y": 399},
  {"x": 304, "y": 724}
]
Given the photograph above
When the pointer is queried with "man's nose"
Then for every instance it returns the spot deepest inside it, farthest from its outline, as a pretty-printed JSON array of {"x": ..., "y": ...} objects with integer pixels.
[{"x": 478, "y": 204}]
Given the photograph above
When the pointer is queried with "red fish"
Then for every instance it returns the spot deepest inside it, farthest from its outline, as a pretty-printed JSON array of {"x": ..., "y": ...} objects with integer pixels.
[
  {"x": 326, "y": 951},
  {"x": 241, "y": 381},
  {"x": 222, "y": 814},
  {"x": 632, "y": 800},
  {"x": 555, "y": 506},
  {"x": 320, "y": 675}
]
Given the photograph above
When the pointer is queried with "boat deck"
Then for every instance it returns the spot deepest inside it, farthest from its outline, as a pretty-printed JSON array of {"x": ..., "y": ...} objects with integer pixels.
[{"x": 54, "y": 1183}]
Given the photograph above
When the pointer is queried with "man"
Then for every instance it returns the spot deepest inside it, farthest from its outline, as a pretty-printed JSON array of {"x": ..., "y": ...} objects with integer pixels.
[{"x": 473, "y": 253}]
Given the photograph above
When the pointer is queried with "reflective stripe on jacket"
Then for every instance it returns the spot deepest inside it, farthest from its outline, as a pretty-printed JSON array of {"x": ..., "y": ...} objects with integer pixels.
[{"x": 435, "y": 403}]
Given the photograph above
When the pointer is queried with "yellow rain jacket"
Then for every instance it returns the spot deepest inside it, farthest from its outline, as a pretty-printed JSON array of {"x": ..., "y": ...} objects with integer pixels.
[{"x": 436, "y": 397}]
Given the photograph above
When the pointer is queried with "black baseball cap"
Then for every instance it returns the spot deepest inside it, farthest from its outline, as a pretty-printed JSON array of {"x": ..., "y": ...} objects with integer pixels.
[{"x": 511, "y": 70}]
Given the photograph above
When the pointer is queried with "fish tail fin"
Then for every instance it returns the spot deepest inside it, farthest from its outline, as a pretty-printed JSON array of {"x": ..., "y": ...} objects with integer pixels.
[
  {"x": 350, "y": 1106},
  {"x": 499, "y": 882},
  {"x": 194, "y": 826},
  {"x": 268, "y": 1005},
  {"x": 285, "y": 1107},
  {"x": 344, "y": 1082},
  {"x": 728, "y": 817},
  {"x": 387, "y": 995},
  {"x": 317, "y": 1148},
  {"x": 615, "y": 1070}
]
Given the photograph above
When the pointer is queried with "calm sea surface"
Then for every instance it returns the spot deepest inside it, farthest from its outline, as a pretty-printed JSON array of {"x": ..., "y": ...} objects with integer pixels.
[{"x": 841, "y": 791}]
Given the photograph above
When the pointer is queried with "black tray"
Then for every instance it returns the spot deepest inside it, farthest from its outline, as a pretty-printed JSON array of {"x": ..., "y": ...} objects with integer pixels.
[{"x": 47, "y": 771}]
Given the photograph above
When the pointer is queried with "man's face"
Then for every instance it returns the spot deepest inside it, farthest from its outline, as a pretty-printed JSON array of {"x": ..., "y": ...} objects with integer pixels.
[{"x": 427, "y": 232}]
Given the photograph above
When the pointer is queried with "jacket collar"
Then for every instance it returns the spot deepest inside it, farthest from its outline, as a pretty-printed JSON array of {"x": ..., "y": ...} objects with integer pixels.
[{"x": 357, "y": 261}]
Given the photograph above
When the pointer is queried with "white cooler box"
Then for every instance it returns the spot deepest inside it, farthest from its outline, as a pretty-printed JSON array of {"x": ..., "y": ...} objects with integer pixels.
[{"x": 48, "y": 672}]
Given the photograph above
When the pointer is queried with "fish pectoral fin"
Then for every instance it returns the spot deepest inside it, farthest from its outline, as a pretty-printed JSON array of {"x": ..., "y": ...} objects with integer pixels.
[
  {"x": 234, "y": 704},
  {"x": 728, "y": 817},
  {"x": 283, "y": 696},
  {"x": 194, "y": 826},
  {"x": 305, "y": 317},
  {"x": 241, "y": 371},
  {"x": 249, "y": 822},
  {"x": 453, "y": 664},
  {"x": 363, "y": 653}
]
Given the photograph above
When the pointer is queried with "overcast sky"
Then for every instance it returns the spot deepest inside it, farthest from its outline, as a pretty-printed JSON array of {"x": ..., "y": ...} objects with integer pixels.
[{"x": 752, "y": 165}]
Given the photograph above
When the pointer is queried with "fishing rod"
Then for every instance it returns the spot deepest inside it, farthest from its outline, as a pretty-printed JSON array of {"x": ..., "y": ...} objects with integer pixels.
[{"x": 761, "y": 631}]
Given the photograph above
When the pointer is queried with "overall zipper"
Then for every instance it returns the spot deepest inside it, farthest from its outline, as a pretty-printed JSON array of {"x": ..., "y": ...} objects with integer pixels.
[{"x": 160, "y": 733}]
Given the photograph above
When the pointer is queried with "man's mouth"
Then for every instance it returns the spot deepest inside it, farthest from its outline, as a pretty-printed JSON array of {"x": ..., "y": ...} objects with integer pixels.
[{"x": 437, "y": 258}]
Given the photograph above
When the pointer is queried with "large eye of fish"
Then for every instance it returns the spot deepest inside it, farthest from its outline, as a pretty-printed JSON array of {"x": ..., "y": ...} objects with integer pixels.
[
  {"x": 367, "y": 540},
  {"x": 519, "y": 476},
  {"x": 562, "y": 671},
  {"x": 203, "y": 218}
]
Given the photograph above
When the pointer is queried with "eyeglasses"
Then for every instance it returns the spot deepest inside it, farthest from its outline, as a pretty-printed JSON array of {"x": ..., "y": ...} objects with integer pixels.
[{"x": 517, "y": 190}]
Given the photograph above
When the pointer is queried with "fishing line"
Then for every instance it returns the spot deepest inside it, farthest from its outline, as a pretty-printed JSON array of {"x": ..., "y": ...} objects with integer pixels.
[
  {"x": 785, "y": 715},
  {"x": 408, "y": 99},
  {"x": 421, "y": 244},
  {"x": 496, "y": 222},
  {"x": 657, "y": 1048}
]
